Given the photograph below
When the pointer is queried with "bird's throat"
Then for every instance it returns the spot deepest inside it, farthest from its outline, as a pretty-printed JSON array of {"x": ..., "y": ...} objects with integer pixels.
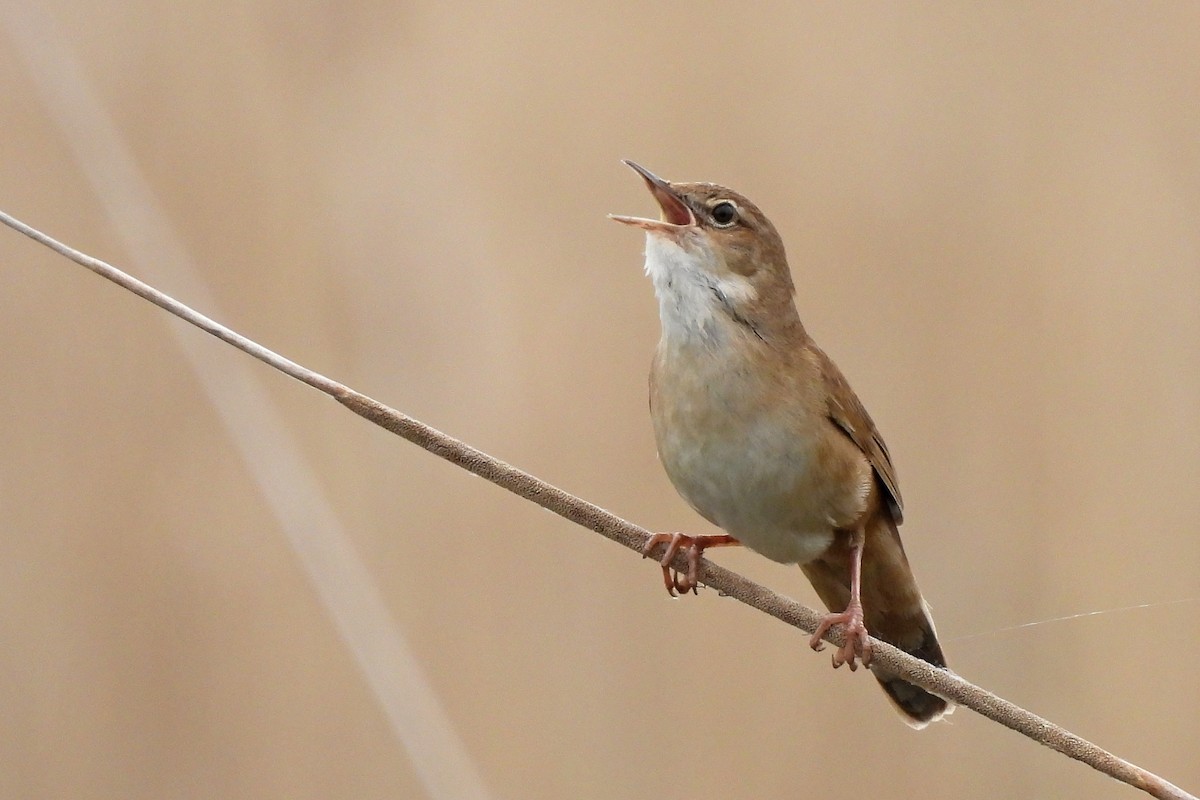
[{"x": 697, "y": 305}]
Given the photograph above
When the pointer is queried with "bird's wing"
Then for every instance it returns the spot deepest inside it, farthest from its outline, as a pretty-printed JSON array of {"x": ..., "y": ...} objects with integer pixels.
[{"x": 847, "y": 412}]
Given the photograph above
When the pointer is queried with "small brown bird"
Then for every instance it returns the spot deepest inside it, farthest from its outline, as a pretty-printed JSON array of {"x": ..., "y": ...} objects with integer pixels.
[{"x": 760, "y": 433}]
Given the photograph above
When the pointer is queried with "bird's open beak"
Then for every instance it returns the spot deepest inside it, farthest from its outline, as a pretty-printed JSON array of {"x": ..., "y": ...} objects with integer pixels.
[{"x": 675, "y": 213}]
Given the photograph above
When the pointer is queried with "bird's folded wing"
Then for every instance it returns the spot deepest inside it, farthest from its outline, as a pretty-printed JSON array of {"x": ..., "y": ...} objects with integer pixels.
[{"x": 847, "y": 412}]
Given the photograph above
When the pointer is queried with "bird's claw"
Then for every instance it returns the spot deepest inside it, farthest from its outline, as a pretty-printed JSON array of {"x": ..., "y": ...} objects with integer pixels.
[
  {"x": 676, "y": 582},
  {"x": 857, "y": 646},
  {"x": 680, "y": 581}
]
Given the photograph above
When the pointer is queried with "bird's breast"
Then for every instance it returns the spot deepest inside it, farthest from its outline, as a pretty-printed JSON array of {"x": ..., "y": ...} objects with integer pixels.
[{"x": 753, "y": 454}]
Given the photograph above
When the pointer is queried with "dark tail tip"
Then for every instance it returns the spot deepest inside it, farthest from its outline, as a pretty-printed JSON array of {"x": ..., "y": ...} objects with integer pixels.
[{"x": 917, "y": 706}]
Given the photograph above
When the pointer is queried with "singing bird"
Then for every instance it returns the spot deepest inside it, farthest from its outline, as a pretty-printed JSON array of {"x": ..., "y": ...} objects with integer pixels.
[{"x": 761, "y": 434}]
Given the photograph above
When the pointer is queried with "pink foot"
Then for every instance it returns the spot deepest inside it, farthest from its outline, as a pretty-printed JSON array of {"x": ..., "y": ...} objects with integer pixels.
[
  {"x": 696, "y": 545},
  {"x": 858, "y": 643}
]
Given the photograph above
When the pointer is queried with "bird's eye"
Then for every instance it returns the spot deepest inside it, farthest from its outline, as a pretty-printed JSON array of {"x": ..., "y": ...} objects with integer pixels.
[{"x": 724, "y": 214}]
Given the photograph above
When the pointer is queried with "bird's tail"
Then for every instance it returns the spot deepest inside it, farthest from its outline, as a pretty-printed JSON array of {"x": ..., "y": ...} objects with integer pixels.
[
  {"x": 917, "y": 706},
  {"x": 893, "y": 608}
]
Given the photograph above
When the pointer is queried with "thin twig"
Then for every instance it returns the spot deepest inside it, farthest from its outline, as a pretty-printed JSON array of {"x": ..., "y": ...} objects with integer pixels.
[{"x": 581, "y": 512}]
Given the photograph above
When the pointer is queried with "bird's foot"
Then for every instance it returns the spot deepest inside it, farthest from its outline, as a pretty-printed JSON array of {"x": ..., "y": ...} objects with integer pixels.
[
  {"x": 693, "y": 546},
  {"x": 858, "y": 642}
]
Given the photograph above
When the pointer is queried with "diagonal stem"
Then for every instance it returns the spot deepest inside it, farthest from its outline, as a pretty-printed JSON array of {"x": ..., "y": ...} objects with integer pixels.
[{"x": 939, "y": 681}]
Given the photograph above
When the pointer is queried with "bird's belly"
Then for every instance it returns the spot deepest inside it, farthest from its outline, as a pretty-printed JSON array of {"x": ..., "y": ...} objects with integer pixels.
[{"x": 761, "y": 488}]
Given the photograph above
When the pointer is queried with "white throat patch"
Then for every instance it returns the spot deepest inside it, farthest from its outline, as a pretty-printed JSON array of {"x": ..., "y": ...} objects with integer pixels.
[{"x": 692, "y": 294}]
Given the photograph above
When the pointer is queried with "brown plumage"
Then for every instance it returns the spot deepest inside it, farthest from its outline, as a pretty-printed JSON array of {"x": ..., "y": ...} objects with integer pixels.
[{"x": 760, "y": 432}]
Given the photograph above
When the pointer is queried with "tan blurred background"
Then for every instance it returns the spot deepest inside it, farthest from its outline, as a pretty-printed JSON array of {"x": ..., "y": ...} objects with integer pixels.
[{"x": 992, "y": 216}]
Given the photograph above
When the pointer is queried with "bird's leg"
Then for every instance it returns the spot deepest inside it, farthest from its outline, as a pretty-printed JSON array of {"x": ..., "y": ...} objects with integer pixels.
[
  {"x": 696, "y": 545},
  {"x": 858, "y": 642}
]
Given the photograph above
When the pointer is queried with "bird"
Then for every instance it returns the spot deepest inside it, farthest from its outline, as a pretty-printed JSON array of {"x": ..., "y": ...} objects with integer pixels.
[{"x": 761, "y": 434}]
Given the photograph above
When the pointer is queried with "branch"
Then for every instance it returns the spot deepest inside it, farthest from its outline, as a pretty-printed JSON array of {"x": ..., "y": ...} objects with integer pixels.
[{"x": 581, "y": 512}]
